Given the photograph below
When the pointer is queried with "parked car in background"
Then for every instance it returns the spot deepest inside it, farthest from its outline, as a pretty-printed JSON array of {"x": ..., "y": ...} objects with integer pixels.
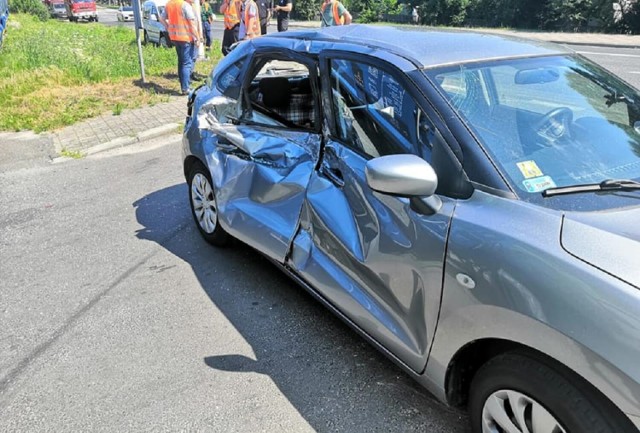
[
  {"x": 125, "y": 13},
  {"x": 154, "y": 31},
  {"x": 81, "y": 10},
  {"x": 469, "y": 203},
  {"x": 58, "y": 10},
  {"x": 4, "y": 17}
]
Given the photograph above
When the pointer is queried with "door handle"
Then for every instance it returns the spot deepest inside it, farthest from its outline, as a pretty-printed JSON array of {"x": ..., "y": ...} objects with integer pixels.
[{"x": 334, "y": 175}]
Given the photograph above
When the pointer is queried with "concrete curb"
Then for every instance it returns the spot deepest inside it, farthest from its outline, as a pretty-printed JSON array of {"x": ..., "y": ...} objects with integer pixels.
[
  {"x": 126, "y": 141},
  {"x": 138, "y": 138}
]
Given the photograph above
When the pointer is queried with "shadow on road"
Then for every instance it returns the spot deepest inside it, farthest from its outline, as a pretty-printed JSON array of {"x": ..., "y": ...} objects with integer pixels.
[{"x": 333, "y": 378}]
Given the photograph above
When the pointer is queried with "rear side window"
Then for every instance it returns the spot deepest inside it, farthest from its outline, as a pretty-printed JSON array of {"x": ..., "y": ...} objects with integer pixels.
[{"x": 229, "y": 80}]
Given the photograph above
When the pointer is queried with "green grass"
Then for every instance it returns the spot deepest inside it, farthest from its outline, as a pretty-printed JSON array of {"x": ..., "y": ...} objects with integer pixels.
[
  {"x": 75, "y": 154},
  {"x": 56, "y": 73}
]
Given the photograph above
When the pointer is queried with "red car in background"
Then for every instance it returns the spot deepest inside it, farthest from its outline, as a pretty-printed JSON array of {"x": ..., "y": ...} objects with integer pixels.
[{"x": 81, "y": 10}]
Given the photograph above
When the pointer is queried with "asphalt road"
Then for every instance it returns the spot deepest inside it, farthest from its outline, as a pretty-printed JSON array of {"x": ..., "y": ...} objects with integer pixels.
[
  {"x": 624, "y": 62},
  {"x": 116, "y": 316}
]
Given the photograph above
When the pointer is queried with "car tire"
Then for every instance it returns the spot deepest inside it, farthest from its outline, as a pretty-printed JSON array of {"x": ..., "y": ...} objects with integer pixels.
[
  {"x": 516, "y": 388},
  {"x": 204, "y": 208},
  {"x": 163, "y": 41},
  {"x": 145, "y": 38},
  {"x": 95, "y": 19}
]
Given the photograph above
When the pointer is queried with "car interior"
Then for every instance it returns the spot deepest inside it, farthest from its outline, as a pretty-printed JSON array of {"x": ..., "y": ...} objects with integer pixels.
[{"x": 281, "y": 94}]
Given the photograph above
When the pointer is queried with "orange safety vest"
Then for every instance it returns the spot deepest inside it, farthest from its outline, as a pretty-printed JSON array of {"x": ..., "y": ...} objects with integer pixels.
[
  {"x": 336, "y": 18},
  {"x": 177, "y": 26},
  {"x": 231, "y": 15},
  {"x": 252, "y": 24}
]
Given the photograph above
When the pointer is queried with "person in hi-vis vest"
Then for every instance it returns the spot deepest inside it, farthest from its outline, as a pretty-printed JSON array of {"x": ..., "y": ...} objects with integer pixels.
[
  {"x": 231, "y": 10},
  {"x": 333, "y": 13},
  {"x": 249, "y": 21},
  {"x": 181, "y": 24}
]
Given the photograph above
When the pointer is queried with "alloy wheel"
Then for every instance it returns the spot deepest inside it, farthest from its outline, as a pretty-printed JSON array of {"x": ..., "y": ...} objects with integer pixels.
[{"x": 204, "y": 203}]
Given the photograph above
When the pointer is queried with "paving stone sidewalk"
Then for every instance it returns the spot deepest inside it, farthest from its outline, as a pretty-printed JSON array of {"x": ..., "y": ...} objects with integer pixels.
[{"x": 129, "y": 124}]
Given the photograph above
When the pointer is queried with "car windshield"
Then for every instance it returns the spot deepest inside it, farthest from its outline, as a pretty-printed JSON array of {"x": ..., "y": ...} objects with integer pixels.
[
  {"x": 550, "y": 122},
  {"x": 58, "y": 6},
  {"x": 127, "y": 9}
]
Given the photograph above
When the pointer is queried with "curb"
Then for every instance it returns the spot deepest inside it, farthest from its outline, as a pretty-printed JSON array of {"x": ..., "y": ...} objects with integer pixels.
[{"x": 126, "y": 141}]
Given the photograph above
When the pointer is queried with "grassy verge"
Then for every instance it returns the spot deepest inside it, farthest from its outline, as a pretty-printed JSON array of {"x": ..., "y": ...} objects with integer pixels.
[{"x": 57, "y": 73}]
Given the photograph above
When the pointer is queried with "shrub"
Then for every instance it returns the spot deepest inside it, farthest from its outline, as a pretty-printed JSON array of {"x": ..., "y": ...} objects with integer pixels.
[{"x": 32, "y": 7}]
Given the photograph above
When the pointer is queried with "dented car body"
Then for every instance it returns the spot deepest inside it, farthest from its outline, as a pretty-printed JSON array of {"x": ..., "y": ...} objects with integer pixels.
[{"x": 423, "y": 196}]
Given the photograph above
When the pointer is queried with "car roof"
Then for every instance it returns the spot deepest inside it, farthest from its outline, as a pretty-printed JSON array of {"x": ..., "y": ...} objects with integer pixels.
[{"x": 428, "y": 48}]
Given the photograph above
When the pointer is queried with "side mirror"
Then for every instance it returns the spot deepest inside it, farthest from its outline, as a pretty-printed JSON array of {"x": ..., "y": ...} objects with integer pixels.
[
  {"x": 153, "y": 17},
  {"x": 405, "y": 176}
]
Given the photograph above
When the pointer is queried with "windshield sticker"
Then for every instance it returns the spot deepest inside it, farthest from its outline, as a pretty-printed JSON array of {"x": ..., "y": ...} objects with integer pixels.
[
  {"x": 529, "y": 169},
  {"x": 539, "y": 184}
]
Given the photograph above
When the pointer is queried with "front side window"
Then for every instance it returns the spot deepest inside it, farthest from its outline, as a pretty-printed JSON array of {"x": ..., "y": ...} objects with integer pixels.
[
  {"x": 374, "y": 113},
  {"x": 548, "y": 122}
]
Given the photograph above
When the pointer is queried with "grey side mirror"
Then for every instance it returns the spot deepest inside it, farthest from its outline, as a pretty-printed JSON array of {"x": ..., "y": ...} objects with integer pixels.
[{"x": 405, "y": 176}]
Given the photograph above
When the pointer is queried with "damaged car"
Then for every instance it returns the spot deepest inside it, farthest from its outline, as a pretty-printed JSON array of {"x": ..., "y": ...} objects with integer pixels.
[{"x": 468, "y": 203}]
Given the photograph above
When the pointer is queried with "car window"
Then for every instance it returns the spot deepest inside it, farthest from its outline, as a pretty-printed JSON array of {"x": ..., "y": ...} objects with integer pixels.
[
  {"x": 280, "y": 94},
  {"x": 229, "y": 80},
  {"x": 375, "y": 114},
  {"x": 549, "y": 122}
]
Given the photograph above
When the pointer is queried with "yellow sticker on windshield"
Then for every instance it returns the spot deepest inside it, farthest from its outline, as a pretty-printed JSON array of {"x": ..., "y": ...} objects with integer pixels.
[{"x": 529, "y": 169}]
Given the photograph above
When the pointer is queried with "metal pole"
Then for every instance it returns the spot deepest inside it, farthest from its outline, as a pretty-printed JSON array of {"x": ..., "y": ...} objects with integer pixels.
[
  {"x": 140, "y": 59},
  {"x": 137, "y": 15}
]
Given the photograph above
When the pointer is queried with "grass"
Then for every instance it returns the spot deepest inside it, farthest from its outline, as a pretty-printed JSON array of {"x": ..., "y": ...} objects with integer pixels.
[
  {"x": 75, "y": 154},
  {"x": 57, "y": 73}
]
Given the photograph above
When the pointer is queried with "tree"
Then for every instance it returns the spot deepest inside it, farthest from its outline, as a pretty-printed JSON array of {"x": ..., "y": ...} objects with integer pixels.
[
  {"x": 444, "y": 12},
  {"x": 33, "y": 7},
  {"x": 567, "y": 14},
  {"x": 372, "y": 10}
]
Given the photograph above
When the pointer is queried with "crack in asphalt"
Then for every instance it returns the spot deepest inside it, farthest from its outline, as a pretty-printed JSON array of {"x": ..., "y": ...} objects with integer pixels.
[{"x": 36, "y": 353}]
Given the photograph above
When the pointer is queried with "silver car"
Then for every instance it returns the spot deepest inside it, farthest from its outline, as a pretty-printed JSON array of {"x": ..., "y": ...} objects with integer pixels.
[{"x": 468, "y": 203}]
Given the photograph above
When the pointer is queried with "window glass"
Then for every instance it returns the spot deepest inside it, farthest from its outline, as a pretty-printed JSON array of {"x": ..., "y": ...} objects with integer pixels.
[
  {"x": 281, "y": 94},
  {"x": 375, "y": 114},
  {"x": 549, "y": 122},
  {"x": 230, "y": 79}
]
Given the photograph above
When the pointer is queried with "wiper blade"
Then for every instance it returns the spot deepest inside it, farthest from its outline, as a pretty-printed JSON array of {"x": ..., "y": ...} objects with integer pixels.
[{"x": 605, "y": 185}]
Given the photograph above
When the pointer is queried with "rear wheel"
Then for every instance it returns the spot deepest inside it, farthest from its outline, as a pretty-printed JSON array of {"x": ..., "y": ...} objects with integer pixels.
[
  {"x": 163, "y": 41},
  {"x": 204, "y": 207},
  {"x": 517, "y": 393}
]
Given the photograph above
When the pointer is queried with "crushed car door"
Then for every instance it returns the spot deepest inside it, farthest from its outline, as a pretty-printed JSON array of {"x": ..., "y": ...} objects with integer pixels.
[
  {"x": 370, "y": 254},
  {"x": 261, "y": 161}
]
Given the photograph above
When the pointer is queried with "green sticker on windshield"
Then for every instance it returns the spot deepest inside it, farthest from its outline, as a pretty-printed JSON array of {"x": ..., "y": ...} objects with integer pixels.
[{"x": 538, "y": 184}]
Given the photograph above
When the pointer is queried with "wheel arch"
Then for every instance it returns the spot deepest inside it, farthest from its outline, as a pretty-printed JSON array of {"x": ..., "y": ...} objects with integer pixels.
[
  {"x": 190, "y": 162},
  {"x": 470, "y": 358}
]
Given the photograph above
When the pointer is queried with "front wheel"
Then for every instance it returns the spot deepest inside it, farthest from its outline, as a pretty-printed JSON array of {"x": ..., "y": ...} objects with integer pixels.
[
  {"x": 517, "y": 393},
  {"x": 204, "y": 208}
]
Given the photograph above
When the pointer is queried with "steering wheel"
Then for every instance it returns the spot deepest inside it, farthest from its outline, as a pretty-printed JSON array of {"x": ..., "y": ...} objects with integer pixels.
[{"x": 555, "y": 124}]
